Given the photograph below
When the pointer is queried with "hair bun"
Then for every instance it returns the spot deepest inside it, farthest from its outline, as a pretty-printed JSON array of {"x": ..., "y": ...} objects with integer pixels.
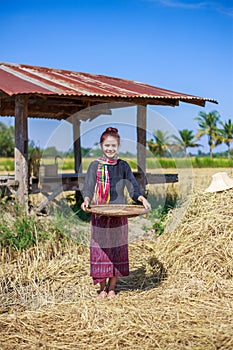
[
  {"x": 110, "y": 129},
  {"x": 110, "y": 132}
]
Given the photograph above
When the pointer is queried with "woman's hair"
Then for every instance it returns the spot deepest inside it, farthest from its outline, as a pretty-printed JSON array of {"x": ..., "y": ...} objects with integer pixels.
[{"x": 110, "y": 132}]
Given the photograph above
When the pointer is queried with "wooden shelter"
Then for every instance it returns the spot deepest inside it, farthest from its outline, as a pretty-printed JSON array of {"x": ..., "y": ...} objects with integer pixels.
[{"x": 39, "y": 92}]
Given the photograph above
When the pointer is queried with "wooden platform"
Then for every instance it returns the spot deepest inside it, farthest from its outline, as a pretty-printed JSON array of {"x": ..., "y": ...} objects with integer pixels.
[
  {"x": 70, "y": 182},
  {"x": 74, "y": 181},
  {"x": 8, "y": 185}
]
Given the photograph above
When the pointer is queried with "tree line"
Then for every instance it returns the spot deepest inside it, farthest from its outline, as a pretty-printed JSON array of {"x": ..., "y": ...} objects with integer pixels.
[
  {"x": 6, "y": 140},
  {"x": 209, "y": 124}
]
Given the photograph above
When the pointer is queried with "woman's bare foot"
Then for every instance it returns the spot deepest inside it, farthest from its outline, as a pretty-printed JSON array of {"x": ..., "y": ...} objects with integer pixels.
[
  {"x": 103, "y": 294},
  {"x": 111, "y": 294},
  {"x": 103, "y": 290}
]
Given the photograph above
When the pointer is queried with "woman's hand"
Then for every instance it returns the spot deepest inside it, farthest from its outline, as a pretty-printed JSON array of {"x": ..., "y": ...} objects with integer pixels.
[
  {"x": 145, "y": 202},
  {"x": 85, "y": 204}
]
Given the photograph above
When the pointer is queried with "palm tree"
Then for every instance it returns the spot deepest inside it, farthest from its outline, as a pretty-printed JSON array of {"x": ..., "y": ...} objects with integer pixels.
[
  {"x": 208, "y": 126},
  {"x": 160, "y": 146},
  {"x": 227, "y": 134},
  {"x": 186, "y": 139}
]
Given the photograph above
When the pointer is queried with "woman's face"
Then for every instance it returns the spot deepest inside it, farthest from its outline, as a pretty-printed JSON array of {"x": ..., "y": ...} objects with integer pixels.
[{"x": 110, "y": 147}]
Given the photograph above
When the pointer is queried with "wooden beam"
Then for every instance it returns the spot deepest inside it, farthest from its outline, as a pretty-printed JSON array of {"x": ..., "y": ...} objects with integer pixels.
[
  {"x": 50, "y": 197},
  {"x": 141, "y": 138},
  {"x": 77, "y": 155},
  {"x": 21, "y": 149},
  {"x": 141, "y": 143},
  {"x": 77, "y": 145}
]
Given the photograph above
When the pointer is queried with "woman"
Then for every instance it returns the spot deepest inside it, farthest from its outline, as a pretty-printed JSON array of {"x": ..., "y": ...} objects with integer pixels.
[{"x": 105, "y": 182}]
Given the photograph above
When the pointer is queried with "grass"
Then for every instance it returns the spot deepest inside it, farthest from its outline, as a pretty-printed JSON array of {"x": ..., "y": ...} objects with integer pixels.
[
  {"x": 6, "y": 164},
  {"x": 212, "y": 163},
  {"x": 19, "y": 231}
]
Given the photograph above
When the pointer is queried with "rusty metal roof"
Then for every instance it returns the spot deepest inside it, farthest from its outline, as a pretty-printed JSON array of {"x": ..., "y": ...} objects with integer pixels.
[
  {"x": 59, "y": 93},
  {"x": 24, "y": 79}
]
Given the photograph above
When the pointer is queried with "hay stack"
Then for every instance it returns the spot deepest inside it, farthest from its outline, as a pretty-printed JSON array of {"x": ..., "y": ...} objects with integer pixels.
[{"x": 179, "y": 294}]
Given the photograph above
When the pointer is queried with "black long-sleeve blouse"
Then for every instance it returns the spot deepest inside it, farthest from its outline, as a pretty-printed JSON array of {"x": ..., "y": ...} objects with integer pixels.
[{"x": 120, "y": 176}]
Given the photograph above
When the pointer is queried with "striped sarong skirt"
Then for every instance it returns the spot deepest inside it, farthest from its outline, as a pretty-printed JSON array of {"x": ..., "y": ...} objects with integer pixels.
[{"x": 108, "y": 247}]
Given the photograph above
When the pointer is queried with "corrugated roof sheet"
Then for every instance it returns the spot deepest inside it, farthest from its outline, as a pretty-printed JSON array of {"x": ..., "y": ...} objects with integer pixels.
[{"x": 24, "y": 79}]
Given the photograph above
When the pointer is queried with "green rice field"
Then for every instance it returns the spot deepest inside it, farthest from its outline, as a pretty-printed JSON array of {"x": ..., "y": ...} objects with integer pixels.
[{"x": 7, "y": 164}]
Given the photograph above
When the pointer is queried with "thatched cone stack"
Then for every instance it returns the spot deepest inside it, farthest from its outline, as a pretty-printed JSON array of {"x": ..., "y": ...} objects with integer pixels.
[{"x": 178, "y": 296}]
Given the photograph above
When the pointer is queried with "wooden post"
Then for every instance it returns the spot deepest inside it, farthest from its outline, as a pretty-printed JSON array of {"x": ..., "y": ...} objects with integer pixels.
[
  {"x": 141, "y": 145},
  {"x": 77, "y": 155},
  {"x": 77, "y": 146},
  {"x": 21, "y": 149}
]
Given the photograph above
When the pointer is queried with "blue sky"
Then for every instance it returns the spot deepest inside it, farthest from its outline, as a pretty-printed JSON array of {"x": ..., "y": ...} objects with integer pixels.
[{"x": 184, "y": 46}]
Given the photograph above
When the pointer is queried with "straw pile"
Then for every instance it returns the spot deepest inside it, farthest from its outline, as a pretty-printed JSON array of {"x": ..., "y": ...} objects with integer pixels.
[{"x": 179, "y": 294}]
